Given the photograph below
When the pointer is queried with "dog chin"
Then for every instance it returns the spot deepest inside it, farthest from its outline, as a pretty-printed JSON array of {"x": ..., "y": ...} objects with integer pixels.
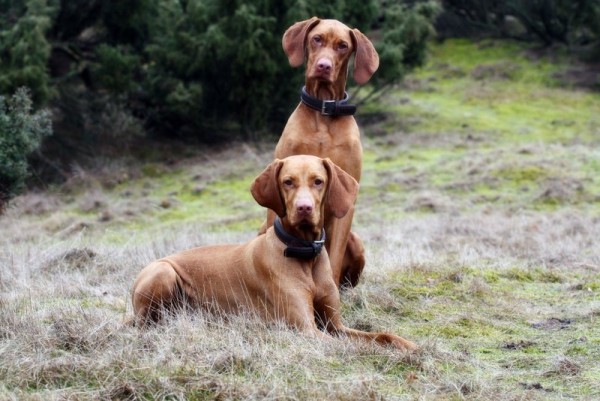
[
  {"x": 327, "y": 79},
  {"x": 304, "y": 225}
]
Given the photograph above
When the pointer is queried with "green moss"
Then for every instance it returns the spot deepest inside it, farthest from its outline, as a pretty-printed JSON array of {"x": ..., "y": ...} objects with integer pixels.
[
  {"x": 153, "y": 170},
  {"x": 518, "y": 274},
  {"x": 530, "y": 108},
  {"x": 577, "y": 350},
  {"x": 533, "y": 350},
  {"x": 520, "y": 175},
  {"x": 420, "y": 285},
  {"x": 224, "y": 204},
  {"x": 548, "y": 276},
  {"x": 593, "y": 286},
  {"x": 491, "y": 276},
  {"x": 466, "y": 55}
]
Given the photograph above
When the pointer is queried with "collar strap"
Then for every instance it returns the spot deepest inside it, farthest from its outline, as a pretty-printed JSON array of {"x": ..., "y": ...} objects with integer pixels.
[
  {"x": 298, "y": 248},
  {"x": 331, "y": 108}
]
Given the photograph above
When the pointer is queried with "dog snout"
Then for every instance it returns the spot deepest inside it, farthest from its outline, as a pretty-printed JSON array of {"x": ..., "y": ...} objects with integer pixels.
[
  {"x": 324, "y": 66},
  {"x": 304, "y": 207}
]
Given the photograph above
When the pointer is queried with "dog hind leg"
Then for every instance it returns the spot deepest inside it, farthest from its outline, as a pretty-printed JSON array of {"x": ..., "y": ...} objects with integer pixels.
[{"x": 156, "y": 290}]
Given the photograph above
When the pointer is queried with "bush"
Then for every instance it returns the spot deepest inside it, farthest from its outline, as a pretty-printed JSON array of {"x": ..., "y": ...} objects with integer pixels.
[
  {"x": 24, "y": 48},
  {"x": 403, "y": 45},
  {"x": 21, "y": 132},
  {"x": 550, "y": 22},
  {"x": 205, "y": 70},
  {"x": 218, "y": 66}
]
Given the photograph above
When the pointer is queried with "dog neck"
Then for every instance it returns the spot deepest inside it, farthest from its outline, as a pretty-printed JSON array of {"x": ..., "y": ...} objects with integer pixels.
[
  {"x": 328, "y": 98},
  {"x": 323, "y": 90},
  {"x": 299, "y": 247}
]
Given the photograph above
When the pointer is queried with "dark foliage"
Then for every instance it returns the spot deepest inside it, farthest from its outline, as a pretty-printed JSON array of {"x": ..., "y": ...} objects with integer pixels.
[
  {"x": 114, "y": 72},
  {"x": 24, "y": 48},
  {"x": 195, "y": 69},
  {"x": 21, "y": 131},
  {"x": 568, "y": 22}
]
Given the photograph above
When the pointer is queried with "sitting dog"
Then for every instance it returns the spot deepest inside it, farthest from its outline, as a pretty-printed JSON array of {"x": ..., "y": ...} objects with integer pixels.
[{"x": 323, "y": 124}]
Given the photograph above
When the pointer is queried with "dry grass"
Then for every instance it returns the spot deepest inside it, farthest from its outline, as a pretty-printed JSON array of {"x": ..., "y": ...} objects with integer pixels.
[
  {"x": 465, "y": 286},
  {"x": 480, "y": 248},
  {"x": 65, "y": 335}
]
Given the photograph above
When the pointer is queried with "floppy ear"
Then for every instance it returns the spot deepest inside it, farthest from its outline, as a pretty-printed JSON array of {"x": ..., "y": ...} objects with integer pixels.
[
  {"x": 294, "y": 40},
  {"x": 366, "y": 60},
  {"x": 265, "y": 188},
  {"x": 341, "y": 192}
]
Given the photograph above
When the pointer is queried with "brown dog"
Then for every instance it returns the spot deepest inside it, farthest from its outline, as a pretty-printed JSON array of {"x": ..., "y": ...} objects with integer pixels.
[
  {"x": 323, "y": 125},
  {"x": 282, "y": 275}
]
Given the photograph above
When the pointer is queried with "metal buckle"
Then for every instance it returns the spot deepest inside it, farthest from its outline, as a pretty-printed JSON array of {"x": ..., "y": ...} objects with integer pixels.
[{"x": 328, "y": 107}]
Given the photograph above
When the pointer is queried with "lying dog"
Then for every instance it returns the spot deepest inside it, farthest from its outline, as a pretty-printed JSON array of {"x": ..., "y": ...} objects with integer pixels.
[{"x": 282, "y": 275}]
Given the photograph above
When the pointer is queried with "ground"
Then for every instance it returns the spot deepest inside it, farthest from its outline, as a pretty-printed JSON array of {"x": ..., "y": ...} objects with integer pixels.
[{"x": 479, "y": 209}]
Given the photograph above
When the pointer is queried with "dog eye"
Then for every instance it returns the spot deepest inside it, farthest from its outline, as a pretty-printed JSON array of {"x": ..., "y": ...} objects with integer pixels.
[
  {"x": 317, "y": 39},
  {"x": 288, "y": 182},
  {"x": 318, "y": 182},
  {"x": 343, "y": 46}
]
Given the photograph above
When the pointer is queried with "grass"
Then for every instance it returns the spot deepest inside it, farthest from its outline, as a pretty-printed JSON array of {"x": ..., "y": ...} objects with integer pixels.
[{"x": 478, "y": 208}]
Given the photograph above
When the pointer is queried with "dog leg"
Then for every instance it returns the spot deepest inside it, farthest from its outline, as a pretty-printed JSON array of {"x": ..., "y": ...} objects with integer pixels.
[
  {"x": 155, "y": 290},
  {"x": 354, "y": 261},
  {"x": 338, "y": 232},
  {"x": 380, "y": 338},
  {"x": 328, "y": 310}
]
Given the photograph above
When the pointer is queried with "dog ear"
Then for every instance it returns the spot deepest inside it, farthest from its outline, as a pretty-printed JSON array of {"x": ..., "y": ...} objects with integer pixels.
[
  {"x": 265, "y": 188},
  {"x": 294, "y": 40},
  {"x": 366, "y": 60},
  {"x": 342, "y": 190}
]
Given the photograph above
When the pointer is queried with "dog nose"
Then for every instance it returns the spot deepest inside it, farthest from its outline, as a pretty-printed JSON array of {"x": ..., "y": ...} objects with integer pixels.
[
  {"x": 324, "y": 65},
  {"x": 304, "y": 207}
]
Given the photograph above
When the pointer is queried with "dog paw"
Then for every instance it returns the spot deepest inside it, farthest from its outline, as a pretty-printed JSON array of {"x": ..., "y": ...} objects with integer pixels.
[{"x": 405, "y": 345}]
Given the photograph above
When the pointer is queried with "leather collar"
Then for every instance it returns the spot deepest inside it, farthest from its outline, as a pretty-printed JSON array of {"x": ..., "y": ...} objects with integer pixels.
[
  {"x": 331, "y": 108},
  {"x": 298, "y": 248}
]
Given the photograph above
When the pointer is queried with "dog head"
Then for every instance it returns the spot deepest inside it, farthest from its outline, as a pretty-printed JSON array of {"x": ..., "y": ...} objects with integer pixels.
[
  {"x": 327, "y": 46},
  {"x": 304, "y": 189}
]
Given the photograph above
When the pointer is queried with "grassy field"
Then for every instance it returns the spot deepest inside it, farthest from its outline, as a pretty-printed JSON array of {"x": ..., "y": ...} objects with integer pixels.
[{"x": 479, "y": 208}]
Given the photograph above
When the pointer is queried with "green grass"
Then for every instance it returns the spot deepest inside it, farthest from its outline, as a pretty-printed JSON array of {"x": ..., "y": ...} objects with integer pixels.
[
  {"x": 516, "y": 138},
  {"x": 521, "y": 108}
]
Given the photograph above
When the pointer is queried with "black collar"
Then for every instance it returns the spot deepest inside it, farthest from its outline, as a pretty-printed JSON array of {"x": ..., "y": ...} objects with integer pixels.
[
  {"x": 331, "y": 108},
  {"x": 296, "y": 247}
]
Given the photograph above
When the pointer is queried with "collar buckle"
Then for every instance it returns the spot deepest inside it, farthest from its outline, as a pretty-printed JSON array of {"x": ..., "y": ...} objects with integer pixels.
[{"x": 328, "y": 107}]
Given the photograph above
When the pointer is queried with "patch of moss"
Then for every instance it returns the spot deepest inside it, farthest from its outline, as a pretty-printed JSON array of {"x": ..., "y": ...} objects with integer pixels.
[
  {"x": 533, "y": 275},
  {"x": 520, "y": 175},
  {"x": 416, "y": 286},
  {"x": 593, "y": 286},
  {"x": 529, "y": 109},
  {"x": 153, "y": 170},
  {"x": 577, "y": 349},
  {"x": 490, "y": 276},
  {"x": 548, "y": 276},
  {"x": 224, "y": 204},
  {"x": 518, "y": 274}
]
